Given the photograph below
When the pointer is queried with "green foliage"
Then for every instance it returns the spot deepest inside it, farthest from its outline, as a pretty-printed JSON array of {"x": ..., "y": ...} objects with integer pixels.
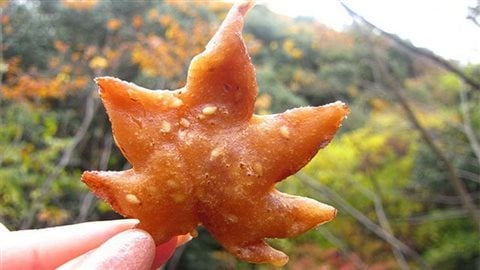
[
  {"x": 32, "y": 38},
  {"x": 202, "y": 253},
  {"x": 30, "y": 152},
  {"x": 282, "y": 98},
  {"x": 451, "y": 245},
  {"x": 265, "y": 24},
  {"x": 373, "y": 162}
]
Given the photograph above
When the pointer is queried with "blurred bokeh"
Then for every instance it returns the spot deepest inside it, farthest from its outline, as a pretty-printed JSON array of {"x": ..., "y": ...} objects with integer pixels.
[{"x": 404, "y": 171}]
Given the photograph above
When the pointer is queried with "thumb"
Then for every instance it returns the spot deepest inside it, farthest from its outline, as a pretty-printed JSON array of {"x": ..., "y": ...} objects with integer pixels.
[{"x": 131, "y": 249}]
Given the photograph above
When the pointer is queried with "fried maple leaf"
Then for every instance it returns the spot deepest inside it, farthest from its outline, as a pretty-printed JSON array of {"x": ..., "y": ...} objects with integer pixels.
[{"x": 199, "y": 155}]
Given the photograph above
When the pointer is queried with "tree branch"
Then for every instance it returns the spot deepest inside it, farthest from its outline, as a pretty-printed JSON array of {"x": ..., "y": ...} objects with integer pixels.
[
  {"x": 344, "y": 249},
  {"x": 474, "y": 13},
  {"x": 394, "y": 87},
  {"x": 467, "y": 126},
  {"x": 382, "y": 216},
  {"x": 455, "y": 181},
  {"x": 415, "y": 50},
  {"x": 439, "y": 216},
  {"x": 376, "y": 197},
  {"x": 88, "y": 198},
  {"x": 360, "y": 217},
  {"x": 91, "y": 106}
]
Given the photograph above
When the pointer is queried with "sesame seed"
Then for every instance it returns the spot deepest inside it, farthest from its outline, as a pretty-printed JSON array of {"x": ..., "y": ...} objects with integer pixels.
[
  {"x": 216, "y": 152},
  {"x": 166, "y": 127},
  {"x": 182, "y": 135},
  {"x": 184, "y": 122},
  {"x": 285, "y": 132},
  {"x": 176, "y": 103},
  {"x": 232, "y": 218},
  {"x": 131, "y": 198},
  {"x": 209, "y": 110}
]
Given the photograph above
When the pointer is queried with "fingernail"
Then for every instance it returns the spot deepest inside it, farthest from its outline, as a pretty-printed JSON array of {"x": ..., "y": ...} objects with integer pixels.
[
  {"x": 131, "y": 249},
  {"x": 129, "y": 221},
  {"x": 118, "y": 223}
]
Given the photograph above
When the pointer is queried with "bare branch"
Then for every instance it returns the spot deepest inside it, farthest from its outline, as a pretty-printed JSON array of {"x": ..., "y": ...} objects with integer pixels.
[
  {"x": 443, "y": 215},
  {"x": 382, "y": 216},
  {"x": 360, "y": 217},
  {"x": 467, "y": 126},
  {"x": 451, "y": 200},
  {"x": 470, "y": 176},
  {"x": 344, "y": 249},
  {"x": 455, "y": 181},
  {"x": 394, "y": 87},
  {"x": 415, "y": 50},
  {"x": 91, "y": 106},
  {"x": 88, "y": 198},
  {"x": 383, "y": 220},
  {"x": 474, "y": 13}
]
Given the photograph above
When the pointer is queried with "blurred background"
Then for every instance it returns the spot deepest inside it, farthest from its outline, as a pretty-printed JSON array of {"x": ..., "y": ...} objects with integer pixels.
[{"x": 404, "y": 171}]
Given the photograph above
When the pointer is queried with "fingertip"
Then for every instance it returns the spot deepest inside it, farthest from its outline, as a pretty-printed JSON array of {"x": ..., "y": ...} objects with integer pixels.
[
  {"x": 116, "y": 224},
  {"x": 55, "y": 246},
  {"x": 131, "y": 249}
]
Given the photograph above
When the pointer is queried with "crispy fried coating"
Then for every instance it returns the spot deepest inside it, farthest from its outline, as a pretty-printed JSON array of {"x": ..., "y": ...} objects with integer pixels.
[{"x": 200, "y": 155}]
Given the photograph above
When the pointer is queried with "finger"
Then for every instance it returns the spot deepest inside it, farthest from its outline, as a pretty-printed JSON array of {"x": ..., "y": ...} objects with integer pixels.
[
  {"x": 160, "y": 256},
  {"x": 49, "y": 248},
  {"x": 131, "y": 249},
  {"x": 164, "y": 251}
]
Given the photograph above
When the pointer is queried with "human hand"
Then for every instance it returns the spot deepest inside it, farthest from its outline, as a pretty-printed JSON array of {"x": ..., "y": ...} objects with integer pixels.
[{"x": 92, "y": 245}]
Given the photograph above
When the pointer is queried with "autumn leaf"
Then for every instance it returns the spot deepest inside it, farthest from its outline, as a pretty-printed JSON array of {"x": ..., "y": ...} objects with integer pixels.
[
  {"x": 80, "y": 4},
  {"x": 98, "y": 62}
]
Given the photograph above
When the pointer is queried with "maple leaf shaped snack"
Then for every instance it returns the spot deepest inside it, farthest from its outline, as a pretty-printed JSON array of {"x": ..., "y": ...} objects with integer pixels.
[{"x": 200, "y": 155}]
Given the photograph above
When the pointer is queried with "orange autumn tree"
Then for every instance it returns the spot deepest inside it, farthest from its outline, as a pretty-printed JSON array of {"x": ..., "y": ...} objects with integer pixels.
[
  {"x": 51, "y": 51},
  {"x": 145, "y": 45}
]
